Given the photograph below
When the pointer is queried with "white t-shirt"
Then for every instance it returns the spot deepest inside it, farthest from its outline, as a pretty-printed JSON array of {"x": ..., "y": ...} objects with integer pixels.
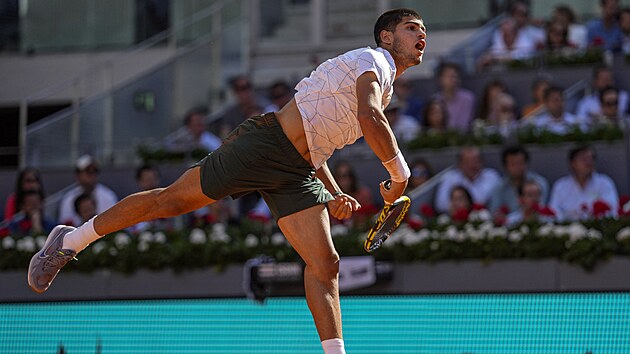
[
  {"x": 327, "y": 99},
  {"x": 104, "y": 197},
  {"x": 568, "y": 198},
  {"x": 480, "y": 188}
]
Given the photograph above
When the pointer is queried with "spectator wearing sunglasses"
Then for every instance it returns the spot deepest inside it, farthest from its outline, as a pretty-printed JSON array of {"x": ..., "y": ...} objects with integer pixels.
[
  {"x": 87, "y": 177},
  {"x": 610, "y": 113}
]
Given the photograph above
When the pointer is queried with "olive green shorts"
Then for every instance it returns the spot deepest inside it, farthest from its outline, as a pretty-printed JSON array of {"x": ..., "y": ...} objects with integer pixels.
[{"x": 257, "y": 156}]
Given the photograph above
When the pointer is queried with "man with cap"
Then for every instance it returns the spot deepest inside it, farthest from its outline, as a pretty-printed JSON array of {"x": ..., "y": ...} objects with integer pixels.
[{"x": 87, "y": 177}]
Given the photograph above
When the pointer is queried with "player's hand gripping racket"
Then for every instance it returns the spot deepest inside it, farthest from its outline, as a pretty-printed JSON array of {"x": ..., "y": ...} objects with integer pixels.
[{"x": 388, "y": 221}]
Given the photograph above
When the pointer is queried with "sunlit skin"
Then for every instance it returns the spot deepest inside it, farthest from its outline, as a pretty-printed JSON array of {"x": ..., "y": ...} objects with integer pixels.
[{"x": 406, "y": 44}]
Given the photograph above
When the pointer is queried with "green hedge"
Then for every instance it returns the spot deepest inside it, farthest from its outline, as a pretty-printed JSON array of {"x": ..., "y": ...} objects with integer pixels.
[{"x": 583, "y": 244}]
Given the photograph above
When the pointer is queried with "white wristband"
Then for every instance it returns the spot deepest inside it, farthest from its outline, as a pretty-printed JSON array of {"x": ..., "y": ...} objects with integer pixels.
[{"x": 397, "y": 168}]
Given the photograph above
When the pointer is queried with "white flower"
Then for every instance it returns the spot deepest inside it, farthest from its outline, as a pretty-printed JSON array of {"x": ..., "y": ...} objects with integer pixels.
[
  {"x": 8, "y": 243},
  {"x": 435, "y": 234},
  {"x": 486, "y": 226},
  {"x": 460, "y": 236},
  {"x": 251, "y": 241},
  {"x": 577, "y": 231},
  {"x": 407, "y": 236},
  {"x": 143, "y": 246},
  {"x": 197, "y": 236},
  {"x": 113, "y": 251},
  {"x": 26, "y": 244},
  {"x": 545, "y": 230},
  {"x": 278, "y": 239},
  {"x": 40, "y": 241},
  {"x": 622, "y": 235},
  {"x": 443, "y": 219},
  {"x": 424, "y": 234},
  {"x": 434, "y": 246},
  {"x": 98, "y": 247},
  {"x": 480, "y": 215},
  {"x": 338, "y": 230},
  {"x": 515, "y": 235},
  {"x": 159, "y": 237},
  {"x": 218, "y": 233},
  {"x": 594, "y": 234},
  {"x": 524, "y": 229},
  {"x": 451, "y": 233},
  {"x": 500, "y": 231},
  {"x": 121, "y": 240},
  {"x": 146, "y": 236}
]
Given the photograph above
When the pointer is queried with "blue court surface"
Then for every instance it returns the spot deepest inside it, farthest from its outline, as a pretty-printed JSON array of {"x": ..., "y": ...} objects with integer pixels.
[{"x": 472, "y": 324}]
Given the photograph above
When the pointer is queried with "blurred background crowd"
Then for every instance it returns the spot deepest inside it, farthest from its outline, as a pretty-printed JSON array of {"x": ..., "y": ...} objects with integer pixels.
[{"x": 174, "y": 78}]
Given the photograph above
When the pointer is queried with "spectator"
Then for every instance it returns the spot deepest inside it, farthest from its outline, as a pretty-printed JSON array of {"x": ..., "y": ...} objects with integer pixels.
[
  {"x": 489, "y": 98},
  {"x": 85, "y": 207},
  {"x": 584, "y": 193},
  {"x": 147, "y": 178},
  {"x": 624, "y": 24},
  {"x": 460, "y": 203},
  {"x": 280, "y": 93},
  {"x": 193, "y": 135},
  {"x": 459, "y": 102},
  {"x": 589, "y": 107},
  {"x": 87, "y": 176},
  {"x": 404, "y": 127},
  {"x": 565, "y": 16},
  {"x": 28, "y": 179},
  {"x": 609, "y": 101},
  {"x": 246, "y": 102},
  {"x": 605, "y": 32},
  {"x": 30, "y": 219},
  {"x": 470, "y": 173},
  {"x": 346, "y": 177},
  {"x": 502, "y": 118},
  {"x": 531, "y": 208},
  {"x": 410, "y": 104},
  {"x": 539, "y": 86},
  {"x": 555, "y": 119},
  {"x": 435, "y": 117},
  {"x": 505, "y": 198},
  {"x": 420, "y": 173},
  {"x": 557, "y": 40}
]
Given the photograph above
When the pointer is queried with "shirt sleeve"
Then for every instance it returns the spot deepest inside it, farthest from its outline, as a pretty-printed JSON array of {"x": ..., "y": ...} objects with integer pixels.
[{"x": 371, "y": 60}]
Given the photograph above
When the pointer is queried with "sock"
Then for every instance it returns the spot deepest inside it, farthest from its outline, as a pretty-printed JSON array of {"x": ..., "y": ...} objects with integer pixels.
[
  {"x": 81, "y": 237},
  {"x": 333, "y": 346}
]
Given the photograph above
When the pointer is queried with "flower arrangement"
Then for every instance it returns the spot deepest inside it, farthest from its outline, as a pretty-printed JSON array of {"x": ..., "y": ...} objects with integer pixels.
[{"x": 217, "y": 245}]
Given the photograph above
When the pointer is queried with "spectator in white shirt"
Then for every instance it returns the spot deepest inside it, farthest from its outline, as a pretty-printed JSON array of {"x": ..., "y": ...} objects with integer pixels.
[
  {"x": 193, "y": 135},
  {"x": 609, "y": 100},
  {"x": 471, "y": 174},
  {"x": 589, "y": 106},
  {"x": 578, "y": 195},
  {"x": 555, "y": 119},
  {"x": 87, "y": 175},
  {"x": 405, "y": 127}
]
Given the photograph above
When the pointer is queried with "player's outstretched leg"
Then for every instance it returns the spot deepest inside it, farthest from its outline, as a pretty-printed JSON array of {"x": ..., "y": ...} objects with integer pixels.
[{"x": 64, "y": 242}]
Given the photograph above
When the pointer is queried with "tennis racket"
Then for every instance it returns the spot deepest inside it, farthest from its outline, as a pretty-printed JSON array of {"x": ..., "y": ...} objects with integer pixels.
[{"x": 388, "y": 221}]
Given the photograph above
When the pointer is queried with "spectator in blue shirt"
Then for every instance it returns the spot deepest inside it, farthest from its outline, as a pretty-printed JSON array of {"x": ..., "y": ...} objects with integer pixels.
[{"x": 605, "y": 33}]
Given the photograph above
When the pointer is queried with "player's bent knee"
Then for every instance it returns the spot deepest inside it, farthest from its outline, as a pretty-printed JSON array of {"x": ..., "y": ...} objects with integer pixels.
[{"x": 325, "y": 269}]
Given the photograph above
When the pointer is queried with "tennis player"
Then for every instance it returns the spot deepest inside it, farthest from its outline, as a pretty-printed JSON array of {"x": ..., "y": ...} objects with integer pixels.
[{"x": 283, "y": 156}]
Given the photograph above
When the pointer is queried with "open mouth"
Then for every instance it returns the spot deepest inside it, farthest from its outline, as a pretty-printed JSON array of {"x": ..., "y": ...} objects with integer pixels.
[{"x": 420, "y": 45}]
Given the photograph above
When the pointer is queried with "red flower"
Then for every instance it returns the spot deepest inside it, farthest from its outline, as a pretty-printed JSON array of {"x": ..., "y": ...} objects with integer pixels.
[
  {"x": 476, "y": 206},
  {"x": 427, "y": 211},
  {"x": 598, "y": 42},
  {"x": 544, "y": 211},
  {"x": 415, "y": 222},
  {"x": 460, "y": 215},
  {"x": 600, "y": 208},
  {"x": 504, "y": 209}
]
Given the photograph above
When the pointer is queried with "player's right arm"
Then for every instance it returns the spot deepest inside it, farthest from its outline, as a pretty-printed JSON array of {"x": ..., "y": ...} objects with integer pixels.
[{"x": 378, "y": 134}]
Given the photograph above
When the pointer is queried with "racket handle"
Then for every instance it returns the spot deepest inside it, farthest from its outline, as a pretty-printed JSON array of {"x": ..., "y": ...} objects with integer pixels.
[{"x": 388, "y": 184}]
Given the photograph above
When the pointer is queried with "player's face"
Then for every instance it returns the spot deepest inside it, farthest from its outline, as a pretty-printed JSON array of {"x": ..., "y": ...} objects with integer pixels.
[{"x": 409, "y": 42}]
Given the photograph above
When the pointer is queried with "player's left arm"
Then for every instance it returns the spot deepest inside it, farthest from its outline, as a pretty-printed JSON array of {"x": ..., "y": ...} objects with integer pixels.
[
  {"x": 343, "y": 205},
  {"x": 379, "y": 136}
]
